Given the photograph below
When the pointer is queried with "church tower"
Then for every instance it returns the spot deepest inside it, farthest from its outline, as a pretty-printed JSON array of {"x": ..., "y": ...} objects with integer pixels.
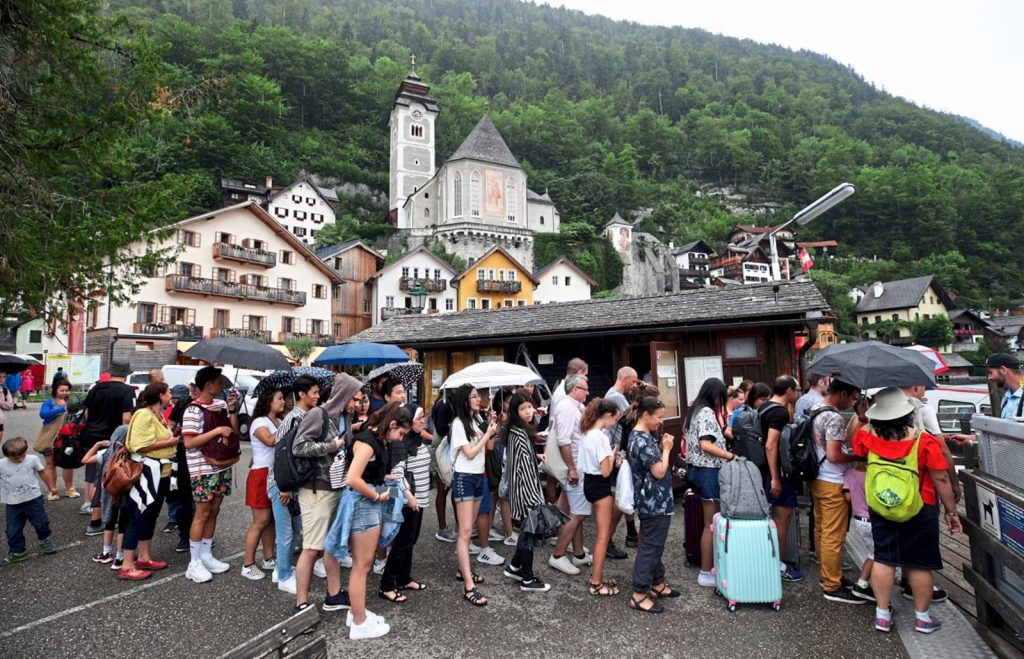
[{"x": 412, "y": 123}]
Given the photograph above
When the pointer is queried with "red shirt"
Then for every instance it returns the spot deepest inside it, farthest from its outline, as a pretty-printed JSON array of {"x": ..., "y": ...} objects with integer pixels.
[{"x": 929, "y": 456}]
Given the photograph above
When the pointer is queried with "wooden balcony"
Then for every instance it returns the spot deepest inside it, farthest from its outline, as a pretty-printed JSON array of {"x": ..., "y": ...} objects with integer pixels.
[
  {"x": 183, "y": 332},
  {"x": 496, "y": 286},
  {"x": 248, "y": 255},
  {"x": 318, "y": 339},
  {"x": 407, "y": 284},
  {"x": 393, "y": 312},
  {"x": 263, "y": 336},
  {"x": 216, "y": 287}
]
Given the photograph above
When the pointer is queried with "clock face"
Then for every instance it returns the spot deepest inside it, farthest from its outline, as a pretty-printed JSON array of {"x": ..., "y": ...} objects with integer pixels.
[{"x": 416, "y": 114}]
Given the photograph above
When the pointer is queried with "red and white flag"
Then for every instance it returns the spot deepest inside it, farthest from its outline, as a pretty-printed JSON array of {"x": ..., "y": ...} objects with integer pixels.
[{"x": 806, "y": 262}]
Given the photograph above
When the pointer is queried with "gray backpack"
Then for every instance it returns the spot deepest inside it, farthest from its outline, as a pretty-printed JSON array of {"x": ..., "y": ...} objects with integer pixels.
[{"x": 742, "y": 491}]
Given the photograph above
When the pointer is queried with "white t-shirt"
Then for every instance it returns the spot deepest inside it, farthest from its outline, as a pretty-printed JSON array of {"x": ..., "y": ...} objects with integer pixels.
[
  {"x": 262, "y": 455},
  {"x": 459, "y": 439},
  {"x": 594, "y": 449}
]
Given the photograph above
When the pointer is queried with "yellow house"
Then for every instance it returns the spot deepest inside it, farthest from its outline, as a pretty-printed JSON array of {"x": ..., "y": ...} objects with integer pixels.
[
  {"x": 907, "y": 300},
  {"x": 495, "y": 280}
]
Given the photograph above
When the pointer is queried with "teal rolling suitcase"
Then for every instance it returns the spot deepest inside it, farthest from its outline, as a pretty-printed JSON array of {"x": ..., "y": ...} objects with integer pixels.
[{"x": 747, "y": 561}]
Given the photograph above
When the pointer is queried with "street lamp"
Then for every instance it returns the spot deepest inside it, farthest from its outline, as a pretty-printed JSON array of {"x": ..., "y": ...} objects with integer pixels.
[
  {"x": 419, "y": 294},
  {"x": 813, "y": 210}
]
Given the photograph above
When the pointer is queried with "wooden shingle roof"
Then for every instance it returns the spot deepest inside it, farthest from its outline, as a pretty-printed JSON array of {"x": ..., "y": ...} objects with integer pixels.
[{"x": 705, "y": 306}]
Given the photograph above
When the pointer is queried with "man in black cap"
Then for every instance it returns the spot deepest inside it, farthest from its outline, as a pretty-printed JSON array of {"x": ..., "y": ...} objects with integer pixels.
[
  {"x": 1004, "y": 372},
  {"x": 108, "y": 405}
]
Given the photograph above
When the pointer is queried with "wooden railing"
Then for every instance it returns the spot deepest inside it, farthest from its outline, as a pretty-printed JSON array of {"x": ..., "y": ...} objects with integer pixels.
[
  {"x": 496, "y": 286},
  {"x": 201, "y": 286},
  {"x": 244, "y": 254}
]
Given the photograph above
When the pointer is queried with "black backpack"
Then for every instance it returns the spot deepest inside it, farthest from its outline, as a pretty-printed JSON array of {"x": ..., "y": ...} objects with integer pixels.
[
  {"x": 748, "y": 437},
  {"x": 797, "y": 449},
  {"x": 290, "y": 471}
]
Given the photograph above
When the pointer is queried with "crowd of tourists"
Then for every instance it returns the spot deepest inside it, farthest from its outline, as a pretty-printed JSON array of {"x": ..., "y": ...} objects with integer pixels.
[{"x": 363, "y": 461}]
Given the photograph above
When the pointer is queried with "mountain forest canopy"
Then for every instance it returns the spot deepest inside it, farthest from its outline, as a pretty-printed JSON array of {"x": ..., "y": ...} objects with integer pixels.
[{"x": 605, "y": 116}]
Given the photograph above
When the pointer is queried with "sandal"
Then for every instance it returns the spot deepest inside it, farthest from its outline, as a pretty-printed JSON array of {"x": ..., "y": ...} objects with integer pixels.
[
  {"x": 637, "y": 604},
  {"x": 603, "y": 590},
  {"x": 477, "y": 579},
  {"x": 660, "y": 592},
  {"x": 475, "y": 597},
  {"x": 413, "y": 585},
  {"x": 610, "y": 582},
  {"x": 392, "y": 596}
]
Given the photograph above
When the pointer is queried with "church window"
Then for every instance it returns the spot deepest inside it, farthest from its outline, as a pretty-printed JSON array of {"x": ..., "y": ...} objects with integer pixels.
[
  {"x": 457, "y": 194},
  {"x": 417, "y": 130},
  {"x": 510, "y": 200},
  {"x": 426, "y": 212},
  {"x": 474, "y": 194}
]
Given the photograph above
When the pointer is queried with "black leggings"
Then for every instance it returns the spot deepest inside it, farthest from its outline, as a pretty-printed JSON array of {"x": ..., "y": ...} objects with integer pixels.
[
  {"x": 398, "y": 570},
  {"x": 523, "y": 559},
  {"x": 143, "y": 522}
]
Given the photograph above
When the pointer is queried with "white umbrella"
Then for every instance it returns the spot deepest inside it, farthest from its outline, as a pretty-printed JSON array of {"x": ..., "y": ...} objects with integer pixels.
[
  {"x": 932, "y": 354},
  {"x": 487, "y": 375}
]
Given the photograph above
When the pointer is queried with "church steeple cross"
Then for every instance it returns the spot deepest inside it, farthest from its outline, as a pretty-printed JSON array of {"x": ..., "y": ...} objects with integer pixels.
[{"x": 413, "y": 58}]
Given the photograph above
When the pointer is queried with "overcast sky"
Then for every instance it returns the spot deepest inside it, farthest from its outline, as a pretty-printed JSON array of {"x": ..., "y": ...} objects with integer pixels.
[{"x": 959, "y": 56}]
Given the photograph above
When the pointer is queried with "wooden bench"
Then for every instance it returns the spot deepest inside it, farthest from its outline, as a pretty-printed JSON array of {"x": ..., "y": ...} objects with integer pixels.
[{"x": 286, "y": 640}]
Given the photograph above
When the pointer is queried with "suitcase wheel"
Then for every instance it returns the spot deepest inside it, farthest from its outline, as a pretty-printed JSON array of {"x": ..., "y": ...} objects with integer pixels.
[
  {"x": 731, "y": 606},
  {"x": 776, "y": 606}
]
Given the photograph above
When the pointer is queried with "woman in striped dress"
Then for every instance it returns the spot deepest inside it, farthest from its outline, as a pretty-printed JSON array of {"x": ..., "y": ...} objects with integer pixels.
[{"x": 524, "y": 489}]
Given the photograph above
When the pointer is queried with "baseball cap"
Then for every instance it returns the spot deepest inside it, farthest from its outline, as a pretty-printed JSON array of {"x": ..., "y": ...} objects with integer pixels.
[
  {"x": 999, "y": 359},
  {"x": 179, "y": 391}
]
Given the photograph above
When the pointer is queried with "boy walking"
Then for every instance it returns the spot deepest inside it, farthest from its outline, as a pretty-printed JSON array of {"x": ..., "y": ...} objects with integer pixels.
[{"x": 23, "y": 499}]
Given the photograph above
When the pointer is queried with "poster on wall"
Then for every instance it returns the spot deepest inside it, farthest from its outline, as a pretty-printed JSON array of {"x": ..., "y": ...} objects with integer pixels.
[
  {"x": 80, "y": 369},
  {"x": 699, "y": 369},
  {"x": 494, "y": 193}
]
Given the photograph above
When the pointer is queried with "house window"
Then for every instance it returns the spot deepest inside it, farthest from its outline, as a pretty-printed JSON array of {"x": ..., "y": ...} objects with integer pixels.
[
  {"x": 336, "y": 292},
  {"x": 474, "y": 194},
  {"x": 288, "y": 324},
  {"x": 471, "y": 303},
  {"x": 449, "y": 304},
  {"x": 320, "y": 291},
  {"x": 554, "y": 280},
  {"x": 389, "y": 301},
  {"x": 481, "y": 274},
  {"x": 864, "y": 320},
  {"x": 511, "y": 275},
  {"x": 300, "y": 215},
  {"x": 310, "y": 201},
  {"x": 145, "y": 346},
  {"x": 878, "y": 319},
  {"x": 415, "y": 273},
  {"x": 287, "y": 257},
  {"x": 917, "y": 316},
  {"x": 521, "y": 303},
  {"x": 317, "y": 217},
  {"x": 297, "y": 198},
  {"x": 485, "y": 304},
  {"x": 895, "y": 318},
  {"x": 315, "y": 326},
  {"x": 508, "y": 303},
  {"x": 501, "y": 275},
  {"x": 222, "y": 237},
  {"x": 742, "y": 347},
  {"x": 426, "y": 212},
  {"x": 235, "y": 195},
  {"x": 490, "y": 275},
  {"x": 457, "y": 194},
  {"x": 408, "y": 303},
  {"x": 221, "y": 318},
  {"x": 437, "y": 274},
  {"x": 36, "y": 336},
  {"x": 286, "y": 284},
  {"x": 223, "y": 274},
  {"x": 416, "y": 130},
  {"x": 188, "y": 269},
  {"x": 510, "y": 200},
  {"x": 299, "y": 231},
  {"x": 927, "y": 316},
  {"x": 314, "y": 233},
  {"x": 542, "y": 220},
  {"x": 186, "y": 237},
  {"x": 146, "y": 314},
  {"x": 568, "y": 281},
  {"x": 281, "y": 212},
  {"x": 433, "y": 304},
  {"x": 405, "y": 272},
  {"x": 366, "y": 304},
  {"x": 338, "y": 262},
  {"x": 337, "y": 329}
]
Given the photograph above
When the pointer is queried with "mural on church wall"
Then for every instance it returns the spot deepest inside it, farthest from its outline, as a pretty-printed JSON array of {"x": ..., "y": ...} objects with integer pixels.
[{"x": 494, "y": 193}]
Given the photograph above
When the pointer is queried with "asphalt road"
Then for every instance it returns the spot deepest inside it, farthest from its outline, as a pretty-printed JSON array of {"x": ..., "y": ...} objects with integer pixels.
[{"x": 65, "y": 605}]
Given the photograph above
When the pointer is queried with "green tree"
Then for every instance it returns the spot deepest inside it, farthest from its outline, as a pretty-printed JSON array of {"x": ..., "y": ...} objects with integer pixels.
[
  {"x": 300, "y": 348},
  {"x": 935, "y": 332}
]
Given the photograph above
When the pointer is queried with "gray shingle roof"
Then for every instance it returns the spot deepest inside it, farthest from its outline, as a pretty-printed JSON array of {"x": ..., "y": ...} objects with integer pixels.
[
  {"x": 953, "y": 360},
  {"x": 706, "y": 305},
  {"x": 616, "y": 219},
  {"x": 486, "y": 144},
  {"x": 689, "y": 247},
  {"x": 898, "y": 294},
  {"x": 533, "y": 196}
]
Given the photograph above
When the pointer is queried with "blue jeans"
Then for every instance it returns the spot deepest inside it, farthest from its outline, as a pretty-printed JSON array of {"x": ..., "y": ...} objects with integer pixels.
[
  {"x": 17, "y": 514},
  {"x": 287, "y": 528},
  {"x": 172, "y": 510}
]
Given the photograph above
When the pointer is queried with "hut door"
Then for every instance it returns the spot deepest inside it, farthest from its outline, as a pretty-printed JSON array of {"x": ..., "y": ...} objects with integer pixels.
[{"x": 665, "y": 375}]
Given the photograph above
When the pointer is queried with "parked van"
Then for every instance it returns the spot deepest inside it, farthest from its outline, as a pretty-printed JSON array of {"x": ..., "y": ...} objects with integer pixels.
[{"x": 952, "y": 404}]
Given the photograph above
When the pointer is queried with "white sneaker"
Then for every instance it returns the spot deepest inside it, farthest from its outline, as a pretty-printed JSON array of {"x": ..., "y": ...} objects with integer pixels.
[
  {"x": 215, "y": 566},
  {"x": 252, "y": 572},
  {"x": 494, "y": 536},
  {"x": 319, "y": 569},
  {"x": 372, "y": 627},
  {"x": 197, "y": 572},
  {"x": 378, "y": 565},
  {"x": 489, "y": 557},
  {"x": 512, "y": 540},
  {"x": 346, "y": 562},
  {"x": 369, "y": 614},
  {"x": 582, "y": 562},
  {"x": 706, "y": 580},
  {"x": 269, "y": 563},
  {"x": 288, "y": 585},
  {"x": 563, "y": 564},
  {"x": 273, "y": 576},
  {"x": 474, "y": 549}
]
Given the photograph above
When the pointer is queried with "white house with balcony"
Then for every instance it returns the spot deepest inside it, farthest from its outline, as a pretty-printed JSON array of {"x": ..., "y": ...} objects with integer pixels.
[
  {"x": 418, "y": 282},
  {"x": 237, "y": 272},
  {"x": 562, "y": 281},
  {"x": 303, "y": 208}
]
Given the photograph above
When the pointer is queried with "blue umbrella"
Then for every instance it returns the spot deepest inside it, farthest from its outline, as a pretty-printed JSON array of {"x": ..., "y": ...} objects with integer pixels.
[{"x": 362, "y": 353}]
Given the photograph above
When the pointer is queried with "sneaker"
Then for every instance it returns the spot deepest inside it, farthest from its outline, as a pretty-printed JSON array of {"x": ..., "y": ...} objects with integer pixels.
[
  {"x": 213, "y": 565},
  {"x": 938, "y": 595},
  {"x": 182, "y": 547},
  {"x": 117, "y": 563},
  {"x": 865, "y": 593},
  {"x": 171, "y": 527},
  {"x": 378, "y": 565},
  {"x": 512, "y": 572},
  {"x": 927, "y": 626},
  {"x": 792, "y": 574},
  {"x": 494, "y": 536},
  {"x": 369, "y": 614},
  {"x": 616, "y": 553},
  {"x": 372, "y": 627},
  {"x": 474, "y": 549},
  {"x": 52, "y": 496},
  {"x": 632, "y": 540},
  {"x": 843, "y": 595},
  {"x": 445, "y": 535},
  {"x": 337, "y": 602},
  {"x": 85, "y": 509},
  {"x": 883, "y": 624},
  {"x": 94, "y": 528},
  {"x": 563, "y": 564},
  {"x": 706, "y": 580},
  {"x": 14, "y": 557},
  {"x": 298, "y": 608},
  {"x": 252, "y": 572},
  {"x": 197, "y": 572},
  {"x": 534, "y": 586},
  {"x": 346, "y": 562},
  {"x": 511, "y": 540},
  {"x": 319, "y": 569},
  {"x": 103, "y": 557},
  {"x": 288, "y": 585},
  {"x": 586, "y": 560},
  {"x": 72, "y": 493},
  {"x": 269, "y": 563},
  {"x": 490, "y": 557},
  {"x": 47, "y": 546}
]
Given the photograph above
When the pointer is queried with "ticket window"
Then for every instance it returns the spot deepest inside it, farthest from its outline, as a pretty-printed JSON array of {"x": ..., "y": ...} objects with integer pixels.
[{"x": 665, "y": 376}]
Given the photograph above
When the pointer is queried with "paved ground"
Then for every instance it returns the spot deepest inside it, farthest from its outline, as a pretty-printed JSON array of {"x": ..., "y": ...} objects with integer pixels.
[{"x": 67, "y": 606}]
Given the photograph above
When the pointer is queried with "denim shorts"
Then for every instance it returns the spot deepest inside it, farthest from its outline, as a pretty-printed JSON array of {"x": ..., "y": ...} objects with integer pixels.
[
  {"x": 367, "y": 514},
  {"x": 704, "y": 482},
  {"x": 786, "y": 498},
  {"x": 467, "y": 487}
]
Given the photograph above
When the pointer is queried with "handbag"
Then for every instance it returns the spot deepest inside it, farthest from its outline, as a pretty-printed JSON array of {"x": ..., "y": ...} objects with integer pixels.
[
  {"x": 624, "y": 489},
  {"x": 121, "y": 472},
  {"x": 554, "y": 465},
  {"x": 445, "y": 463},
  {"x": 337, "y": 471},
  {"x": 48, "y": 433}
]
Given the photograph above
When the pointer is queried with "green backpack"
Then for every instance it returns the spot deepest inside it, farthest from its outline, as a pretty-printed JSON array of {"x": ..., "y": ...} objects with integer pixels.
[{"x": 893, "y": 486}]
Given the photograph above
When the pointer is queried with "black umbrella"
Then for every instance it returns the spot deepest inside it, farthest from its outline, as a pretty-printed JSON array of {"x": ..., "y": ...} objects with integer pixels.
[
  {"x": 872, "y": 364},
  {"x": 239, "y": 352},
  {"x": 408, "y": 373},
  {"x": 12, "y": 364},
  {"x": 282, "y": 379}
]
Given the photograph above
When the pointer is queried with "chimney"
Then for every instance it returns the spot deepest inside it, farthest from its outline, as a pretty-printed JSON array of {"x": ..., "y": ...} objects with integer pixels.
[
  {"x": 269, "y": 182},
  {"x": 877, "y": 289}
]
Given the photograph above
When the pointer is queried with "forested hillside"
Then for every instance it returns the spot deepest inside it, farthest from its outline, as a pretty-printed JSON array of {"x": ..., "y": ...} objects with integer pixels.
[{"x": 606, "y": 116}]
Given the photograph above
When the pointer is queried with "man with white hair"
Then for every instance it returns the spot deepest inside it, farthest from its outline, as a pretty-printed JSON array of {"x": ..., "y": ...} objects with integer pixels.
[{"x": 566, "y": 421}]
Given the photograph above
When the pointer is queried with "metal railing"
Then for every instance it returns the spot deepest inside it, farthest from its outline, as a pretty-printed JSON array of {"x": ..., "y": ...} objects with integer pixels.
[
  {"x": 430, "y": 285},
  {"x": 240, "y": 332},
  {"x": 392, "y": 312},
  {"x": 183, "y": 332},
  {"x": 201, "y": 286}
]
